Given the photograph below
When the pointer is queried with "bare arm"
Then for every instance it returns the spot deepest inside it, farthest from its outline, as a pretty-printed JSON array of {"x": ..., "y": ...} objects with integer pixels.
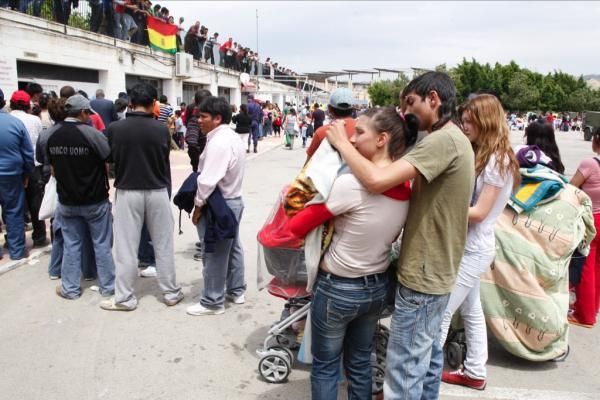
[
  {"x": 578, "y": 179},
  {"x": 484, "y": 204},
  {"x": 375, "y": 179}
]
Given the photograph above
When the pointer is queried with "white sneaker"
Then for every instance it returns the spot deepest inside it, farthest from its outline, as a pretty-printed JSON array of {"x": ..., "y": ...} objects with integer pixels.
[
  {"x": 241, "y": 299},
  {"x": 149, "y": 272},
  {"x": 199, "y": 310}
]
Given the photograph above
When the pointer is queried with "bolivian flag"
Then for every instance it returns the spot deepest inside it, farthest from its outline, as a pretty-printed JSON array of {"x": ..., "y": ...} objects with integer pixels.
[{"x": 162, "y": 35}]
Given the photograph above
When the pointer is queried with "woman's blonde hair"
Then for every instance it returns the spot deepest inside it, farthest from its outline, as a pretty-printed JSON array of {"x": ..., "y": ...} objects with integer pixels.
[{"x": 488, "y": 116}]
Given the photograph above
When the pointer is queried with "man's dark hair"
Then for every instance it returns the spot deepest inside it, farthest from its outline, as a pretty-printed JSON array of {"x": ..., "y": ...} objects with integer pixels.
[
  {"x": 142, "y": 94},
  {"x": 163, "y": 99},
  {"x": 216, "y": 106},
  {"x": 201, "y": 95},
  {"x": 316, "y": 105},
  {"x": 33, "y": 89},
  {"x": 66, "y": 92},
  {"x": 120, "y": 105},
  {"x": 339, "y": 113},
  {"x": 84, "y": 94},
  {"x": 157, "y": 7},
  {"x": 122, "y": 95},
  {"x": 44, "y": 99},
  {"x": 442, "y": 84}
]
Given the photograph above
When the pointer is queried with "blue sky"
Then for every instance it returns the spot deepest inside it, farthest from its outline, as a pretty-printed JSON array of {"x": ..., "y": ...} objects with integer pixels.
[{"x": 310, "y": 36}]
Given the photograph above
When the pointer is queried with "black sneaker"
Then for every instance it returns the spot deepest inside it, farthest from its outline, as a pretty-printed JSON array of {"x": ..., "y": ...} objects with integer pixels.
[
  {"x": 40, "y": 243},
  {"x": 199, "y": 256},
  {"x": 199, "y": 246}
]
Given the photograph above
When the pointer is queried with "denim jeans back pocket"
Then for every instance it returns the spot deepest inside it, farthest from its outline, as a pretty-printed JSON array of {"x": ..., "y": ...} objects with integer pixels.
[
  {"x": 341, "y": 311},
  {"x": 409, "y": 298}
]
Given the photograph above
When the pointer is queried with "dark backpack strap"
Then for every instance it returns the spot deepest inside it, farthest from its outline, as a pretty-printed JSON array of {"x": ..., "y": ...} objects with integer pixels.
[{"x": 180, "y": 231}]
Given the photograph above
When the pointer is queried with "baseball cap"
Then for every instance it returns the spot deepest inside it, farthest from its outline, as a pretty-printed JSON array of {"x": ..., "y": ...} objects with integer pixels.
[
  {"x": 20, "y": 96},
  {"x": 341, "y": 99},
  {"x": 78, "y": 102}
]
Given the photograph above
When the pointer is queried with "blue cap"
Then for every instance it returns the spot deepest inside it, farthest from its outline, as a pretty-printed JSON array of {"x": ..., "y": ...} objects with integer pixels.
[{"x": 341, "y": 99}]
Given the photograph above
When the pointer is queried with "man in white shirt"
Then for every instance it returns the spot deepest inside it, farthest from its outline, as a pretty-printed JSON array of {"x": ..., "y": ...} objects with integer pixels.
[
  {"x": 222, "y": 166},
  {"x": 20, "y": 105}
]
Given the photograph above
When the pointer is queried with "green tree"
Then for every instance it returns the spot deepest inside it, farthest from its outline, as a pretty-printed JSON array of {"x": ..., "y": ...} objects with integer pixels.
[
  {"x": 523, "y": 94},
  {"x": 387, "y": 92}
]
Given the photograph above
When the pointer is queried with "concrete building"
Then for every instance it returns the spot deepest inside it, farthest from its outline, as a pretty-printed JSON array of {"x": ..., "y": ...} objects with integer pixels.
[{"x": 53, "y": 55}]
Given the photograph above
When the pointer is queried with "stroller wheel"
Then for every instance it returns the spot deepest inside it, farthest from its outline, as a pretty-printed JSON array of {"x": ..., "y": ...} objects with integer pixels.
[
  {"x": 378, "y": 378},
  {"x": 274, "y": 367},
  {"x": 454, "y": 354},
  {"x": 287, "y": 351}
]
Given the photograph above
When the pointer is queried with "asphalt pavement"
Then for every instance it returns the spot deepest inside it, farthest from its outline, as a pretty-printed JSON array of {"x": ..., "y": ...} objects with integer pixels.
[{"x": 51, "y": 348}]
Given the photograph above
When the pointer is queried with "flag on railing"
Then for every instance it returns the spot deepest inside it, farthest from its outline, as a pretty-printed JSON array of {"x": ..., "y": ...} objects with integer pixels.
[{"x": 162, "y": 35}]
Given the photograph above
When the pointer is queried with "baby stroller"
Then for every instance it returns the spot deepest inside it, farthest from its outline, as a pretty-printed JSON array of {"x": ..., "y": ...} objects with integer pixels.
[{"x": 283, "y": 342}]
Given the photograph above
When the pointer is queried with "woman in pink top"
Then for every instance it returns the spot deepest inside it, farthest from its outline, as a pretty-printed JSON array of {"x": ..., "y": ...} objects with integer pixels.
[
  {"x": 587, "y": 303},
  {"x": 351, "y": 288}
]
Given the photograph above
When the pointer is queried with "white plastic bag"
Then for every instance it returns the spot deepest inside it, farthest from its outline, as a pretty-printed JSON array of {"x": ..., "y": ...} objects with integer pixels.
[{"x": 49, "y": 201}]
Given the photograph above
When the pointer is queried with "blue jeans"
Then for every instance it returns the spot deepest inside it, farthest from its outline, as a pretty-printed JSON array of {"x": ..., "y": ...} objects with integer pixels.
[
  {"x": 37, "y": 6},
  {"x": 414, "y": 354},
  {"x": 12, "y": 201},
  {"x": 344, "y": 314},
  {"x": 88, "y": 260},
  {"x": 254, "y": 134},
  {"x": 145, "y": 249},
  {"x": 75, "y": 220},
  {"x": 223, "y": 269}
]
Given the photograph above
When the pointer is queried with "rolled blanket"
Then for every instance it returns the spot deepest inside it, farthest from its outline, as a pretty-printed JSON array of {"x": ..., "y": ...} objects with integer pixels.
[{"x": 539, "y": 185}]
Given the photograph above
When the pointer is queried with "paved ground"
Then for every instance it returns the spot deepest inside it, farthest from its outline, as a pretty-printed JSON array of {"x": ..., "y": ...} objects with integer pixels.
[{"x": 57, "y": 349}]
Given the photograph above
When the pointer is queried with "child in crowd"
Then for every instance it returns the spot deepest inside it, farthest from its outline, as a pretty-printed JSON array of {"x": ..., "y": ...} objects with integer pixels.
[{"x": 179, "y": 129}]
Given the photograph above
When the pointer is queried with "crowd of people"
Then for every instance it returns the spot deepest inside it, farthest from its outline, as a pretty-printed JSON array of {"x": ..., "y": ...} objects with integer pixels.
[
  {"x": 457, "y": 178},
  {"x": 127, "y": 20}
]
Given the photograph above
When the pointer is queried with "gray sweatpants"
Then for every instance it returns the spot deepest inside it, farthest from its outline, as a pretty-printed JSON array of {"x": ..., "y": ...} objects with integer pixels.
[{"x": 132, "y": 209}]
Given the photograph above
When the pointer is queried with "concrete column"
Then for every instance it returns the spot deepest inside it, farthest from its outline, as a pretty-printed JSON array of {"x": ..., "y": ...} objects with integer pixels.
[
  {"x": 214, "y": 83},
  {"x": 173, "y": 89},
  {"x": 112, "y": 81},
  {"x": 236, "y": 96}
]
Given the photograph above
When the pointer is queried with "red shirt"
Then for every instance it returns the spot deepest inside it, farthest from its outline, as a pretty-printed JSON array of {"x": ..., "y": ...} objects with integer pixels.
[
  {"x": 97, "y": 122},
  {"x": 226, "y": 46},
  {"x": 321, "y": 133}
]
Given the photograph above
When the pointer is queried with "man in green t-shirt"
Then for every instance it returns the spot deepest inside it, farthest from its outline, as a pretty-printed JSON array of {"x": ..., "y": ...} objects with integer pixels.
[{"x": 442, "y": 169}]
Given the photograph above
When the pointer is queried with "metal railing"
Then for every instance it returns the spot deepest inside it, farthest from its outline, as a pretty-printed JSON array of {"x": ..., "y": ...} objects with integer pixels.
[{"x": 76, "y": 13}]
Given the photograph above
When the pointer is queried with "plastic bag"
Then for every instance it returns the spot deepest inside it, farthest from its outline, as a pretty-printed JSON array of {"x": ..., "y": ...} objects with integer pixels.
[
  {"x": 49, "y": 201},
  {"x": 280, "y": 251}
]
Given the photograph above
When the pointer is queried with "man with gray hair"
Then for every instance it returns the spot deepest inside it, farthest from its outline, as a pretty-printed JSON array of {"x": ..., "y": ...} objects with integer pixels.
[
  {"x": 105, "y": 108},
  {"x": 78, "y": 154}
]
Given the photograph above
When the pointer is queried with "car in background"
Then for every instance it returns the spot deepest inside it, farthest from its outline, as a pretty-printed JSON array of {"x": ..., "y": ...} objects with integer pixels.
[{"x": 590, "y": 122}]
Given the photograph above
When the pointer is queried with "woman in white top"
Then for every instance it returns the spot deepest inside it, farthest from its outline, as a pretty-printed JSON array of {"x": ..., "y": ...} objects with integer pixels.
[
  {"x": 351, "y": 288},
  {"x": 497, "y": 172},
  {"x": 289, "y": 125}
]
